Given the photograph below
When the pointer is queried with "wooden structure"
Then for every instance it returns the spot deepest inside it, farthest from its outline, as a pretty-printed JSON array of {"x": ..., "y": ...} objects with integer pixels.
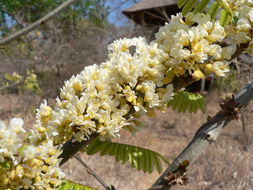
[{"x": 152, "y": 12}]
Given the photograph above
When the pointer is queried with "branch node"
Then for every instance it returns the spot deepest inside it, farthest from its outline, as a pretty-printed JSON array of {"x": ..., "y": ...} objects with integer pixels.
[
  {"x": 210, "y": 137},
  {"x": 179, "y": 175},
  {"x": 230, "y": 108}
]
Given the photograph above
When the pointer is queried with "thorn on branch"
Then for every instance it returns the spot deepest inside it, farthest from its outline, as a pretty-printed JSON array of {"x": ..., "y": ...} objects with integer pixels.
[{"x": 179, "y": 176}]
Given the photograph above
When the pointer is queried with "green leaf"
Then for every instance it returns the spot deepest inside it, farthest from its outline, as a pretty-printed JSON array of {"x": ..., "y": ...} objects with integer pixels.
[
  {"x": 139, "y": 158},
  {"x": 106, "y": 149},
  {"x": 125, "y": 156},
  {"x": 68, "y": 185},
  {"x": 175, "y": 100},
  {"x": 151, "y": 163},
  {"x": 120, "y": 154},
  {"x": 95, "y": 147},
  {"x": 146, "y": 161},
  {"x": 189, "y": 6},
  {"x": 225, "y": 7},
  {"x": 181, "y": 3},
  {"x": 225, "y": 18},
  {"x": 186, "y": 101},
  {"x": 201, "y": 6},
  {"x": 141, "y": 161},
  {"x": 213, "y": 10},
  {"x": 158, "y": 165},
  {"x": 5, "y": 165}
]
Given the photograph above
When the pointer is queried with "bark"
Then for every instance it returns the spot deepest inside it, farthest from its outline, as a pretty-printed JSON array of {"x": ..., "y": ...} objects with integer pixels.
[{"x": 205, "y": 135}]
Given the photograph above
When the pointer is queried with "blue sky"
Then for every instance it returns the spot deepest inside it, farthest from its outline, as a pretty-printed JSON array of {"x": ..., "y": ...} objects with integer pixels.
[{"x": 116, "y": 17}]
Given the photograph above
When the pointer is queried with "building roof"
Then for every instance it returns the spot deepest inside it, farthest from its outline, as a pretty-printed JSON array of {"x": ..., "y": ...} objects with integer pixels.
[
  {"x": 150, "y": 4},
  {"x": 152, "y": 12}
]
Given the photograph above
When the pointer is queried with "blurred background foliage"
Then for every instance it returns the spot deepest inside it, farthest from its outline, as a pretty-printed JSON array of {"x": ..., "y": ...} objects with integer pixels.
[
  {"x": 37, "y": 64},
  {"x": 23, "y": 12}
]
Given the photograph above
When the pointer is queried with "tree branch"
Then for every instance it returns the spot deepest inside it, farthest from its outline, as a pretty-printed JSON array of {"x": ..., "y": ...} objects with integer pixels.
[
  {"x": 91, "y": 172},
  {"x": 70, "y": 148},
  {"x": 34, "y": 25},
  {"x": 204, "y": 136},
  {"x": 11, "y": 85}
]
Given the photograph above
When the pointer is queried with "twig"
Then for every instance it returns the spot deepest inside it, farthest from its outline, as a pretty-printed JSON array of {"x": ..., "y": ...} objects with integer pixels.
[
  {"x": 244, "y": 130},
  {"x": 70, "y": 148},
  {"x": 204, "y": 136},
  {"x": 91, "y": 172},
  {"x": 34, "y": 25},
  {"x": 11, "y": 85}
]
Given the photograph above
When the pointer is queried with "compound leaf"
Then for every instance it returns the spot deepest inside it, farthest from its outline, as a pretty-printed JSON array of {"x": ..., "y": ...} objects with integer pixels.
[
  {"x": 139, "y": 158},
  {"x": 186, "y": 101},
  {"x": 68, "y": 185}
]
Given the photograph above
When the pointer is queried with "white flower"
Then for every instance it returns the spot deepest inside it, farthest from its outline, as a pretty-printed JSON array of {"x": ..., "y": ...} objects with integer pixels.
[
  {"x": 243, "y": 25},
  {"x": 251, "y": 15},
  {"x": 180, "y": 53},
  {"x": 217, "y": 33},
  {"x": 221, "y": 68},
  {"x": 16, "y": 125},
  {"x": 214, "y": 50},
  {"x": 228, "y": 51},
  {"x": 199, "y": 18}
]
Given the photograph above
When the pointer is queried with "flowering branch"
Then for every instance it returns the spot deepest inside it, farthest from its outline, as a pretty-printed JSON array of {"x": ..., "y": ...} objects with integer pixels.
[
  {"x": 71, "y": 148},
  {"x": 136, "y": 78},
  {"x": 206, "y": 134}
]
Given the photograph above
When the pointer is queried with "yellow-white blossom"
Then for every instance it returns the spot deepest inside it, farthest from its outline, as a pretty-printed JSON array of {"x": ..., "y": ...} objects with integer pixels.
[
  {"x": 25, "y": 165},
  {"x": 136, "y": 76}
]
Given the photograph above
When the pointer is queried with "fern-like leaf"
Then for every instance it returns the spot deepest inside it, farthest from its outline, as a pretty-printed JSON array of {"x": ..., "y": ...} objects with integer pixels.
[
  {"x": 139, "y": 158},
  {"x": 188, "y": 6},
  {"x": 225, "y": 17},
  {"x": 213, "y": 10},
  {"x": 199, "y": 6},
  {"x": 186, "y": 101},
  {"x": 67, "y": 185},
  {"x": 181, "y": 3}
]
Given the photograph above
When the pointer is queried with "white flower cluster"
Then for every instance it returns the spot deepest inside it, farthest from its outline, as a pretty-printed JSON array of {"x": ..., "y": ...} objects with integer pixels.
[
  {"x": 9, "y": 140},
  {"x": 136, "y": 77},
  {"x": 98, "y": 99},
  {"x": 193, "y": 45},
  {"x": 24, "y": 165},
  {"x": 242, "y": 32}
]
